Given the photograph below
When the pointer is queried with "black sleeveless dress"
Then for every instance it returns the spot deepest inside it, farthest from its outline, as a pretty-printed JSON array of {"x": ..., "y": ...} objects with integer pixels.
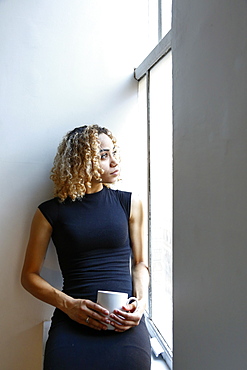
[{"x": 91, "y": 237}]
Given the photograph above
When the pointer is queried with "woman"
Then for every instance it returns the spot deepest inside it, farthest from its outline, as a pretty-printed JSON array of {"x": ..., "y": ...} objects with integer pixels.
[{"x": 95, "y": 231}]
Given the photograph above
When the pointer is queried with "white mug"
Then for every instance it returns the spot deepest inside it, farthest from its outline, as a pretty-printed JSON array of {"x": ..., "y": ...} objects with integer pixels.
[{"x": 114, "y": 300}]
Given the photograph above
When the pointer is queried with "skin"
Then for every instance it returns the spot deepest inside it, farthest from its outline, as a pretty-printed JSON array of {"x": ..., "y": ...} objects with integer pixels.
[{"x": 80, "y": 309}]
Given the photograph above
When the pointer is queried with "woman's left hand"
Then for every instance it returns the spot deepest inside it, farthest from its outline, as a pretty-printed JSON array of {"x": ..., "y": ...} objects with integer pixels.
[{"x": 126, "y": 318}]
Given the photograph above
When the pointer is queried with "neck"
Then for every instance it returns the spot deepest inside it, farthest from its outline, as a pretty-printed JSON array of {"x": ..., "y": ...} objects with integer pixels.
[{"x": 95, "y": 188}]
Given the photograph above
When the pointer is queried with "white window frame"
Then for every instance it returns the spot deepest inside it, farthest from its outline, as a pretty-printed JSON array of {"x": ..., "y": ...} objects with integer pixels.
[{"x": 163, "y": 47}]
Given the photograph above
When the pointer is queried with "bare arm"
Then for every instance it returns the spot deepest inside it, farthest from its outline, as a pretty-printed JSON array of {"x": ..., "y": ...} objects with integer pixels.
[
  {"x": 36, "y": 250},
  {"x": 140, "y": 274},
  {"x": 140, "y": 270},
  {"x": 76, "y": 309}
]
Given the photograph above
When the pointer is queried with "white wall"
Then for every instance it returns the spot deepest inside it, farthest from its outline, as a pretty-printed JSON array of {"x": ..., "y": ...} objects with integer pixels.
[
  {"x": 63, "y": 63},
  {"x": 210, "y": 182}
]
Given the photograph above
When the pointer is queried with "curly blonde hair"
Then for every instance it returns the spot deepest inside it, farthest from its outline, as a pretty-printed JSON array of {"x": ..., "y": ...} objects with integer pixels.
[{"x": 78, "y": 161}]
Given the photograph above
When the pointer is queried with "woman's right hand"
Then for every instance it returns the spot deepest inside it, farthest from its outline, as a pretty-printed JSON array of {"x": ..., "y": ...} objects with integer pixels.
[{"x": 87, "y": 313}]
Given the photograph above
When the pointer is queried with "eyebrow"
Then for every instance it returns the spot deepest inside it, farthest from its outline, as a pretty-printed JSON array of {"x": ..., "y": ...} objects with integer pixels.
[{"x": 106, "y": 150}]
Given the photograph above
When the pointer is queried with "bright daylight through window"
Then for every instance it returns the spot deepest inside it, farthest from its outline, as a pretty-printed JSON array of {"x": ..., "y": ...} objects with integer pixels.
[
  {"x": 155, "y": 101},
  {"x": 161, "y": 196}
]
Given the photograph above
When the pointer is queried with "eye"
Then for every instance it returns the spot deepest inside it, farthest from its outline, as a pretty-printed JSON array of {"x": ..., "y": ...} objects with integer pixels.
[{"x": 104, "y": 155}]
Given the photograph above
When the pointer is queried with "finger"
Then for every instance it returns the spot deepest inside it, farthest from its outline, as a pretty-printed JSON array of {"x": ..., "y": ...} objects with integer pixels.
[
  {"x": 126, "y": 315},
  {"x": 97, "y": 312},
  {"x": 95, "y": 324},
  {"x": 121, "y": 330},
  {"x": 130, "y": 307},
  {"x": 100, "y": 317},
  {"x": 126, "y": 319},
  {"x": 121, "y": 327},
  {"x": 96, "y": 307}
]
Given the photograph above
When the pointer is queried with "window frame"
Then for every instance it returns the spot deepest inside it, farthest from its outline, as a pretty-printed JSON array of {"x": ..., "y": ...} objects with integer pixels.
[
  {"x": 163, "y": 47},
  {"x": 143, "y": 70}
]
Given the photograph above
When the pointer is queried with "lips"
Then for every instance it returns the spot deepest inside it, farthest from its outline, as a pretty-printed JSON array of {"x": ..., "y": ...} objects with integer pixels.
[{"x": 115, "y": 173}]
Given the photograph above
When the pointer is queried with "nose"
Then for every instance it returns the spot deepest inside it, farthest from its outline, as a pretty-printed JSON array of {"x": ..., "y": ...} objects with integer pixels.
[{"x": 114, "y": 161}]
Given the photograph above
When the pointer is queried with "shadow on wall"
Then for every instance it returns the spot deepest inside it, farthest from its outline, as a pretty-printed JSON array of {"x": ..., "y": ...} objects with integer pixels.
[{"x": 21, "y": 343}]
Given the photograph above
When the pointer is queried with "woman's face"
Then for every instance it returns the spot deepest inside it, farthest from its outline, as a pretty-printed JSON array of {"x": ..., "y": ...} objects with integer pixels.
[{"x": 108, "y": 160}]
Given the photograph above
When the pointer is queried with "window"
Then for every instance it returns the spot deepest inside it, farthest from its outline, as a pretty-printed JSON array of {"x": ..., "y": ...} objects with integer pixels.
[
  {"x": 155, "y": 98},
  {"x": 160, "y": 204},
  {"x": 159, "y": 15}
]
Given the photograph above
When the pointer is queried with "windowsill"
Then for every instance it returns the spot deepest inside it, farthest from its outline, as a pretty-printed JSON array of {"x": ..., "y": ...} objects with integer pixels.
[{"x": 157, "y": 363}]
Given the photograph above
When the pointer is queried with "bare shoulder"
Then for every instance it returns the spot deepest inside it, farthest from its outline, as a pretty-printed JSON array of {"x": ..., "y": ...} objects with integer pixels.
[
  {"x": 136, "y": 209},
  {"x": 39, "y": 238},
  {"x": 39, "y": 220},
  {"x": 41, "y": 229}
]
